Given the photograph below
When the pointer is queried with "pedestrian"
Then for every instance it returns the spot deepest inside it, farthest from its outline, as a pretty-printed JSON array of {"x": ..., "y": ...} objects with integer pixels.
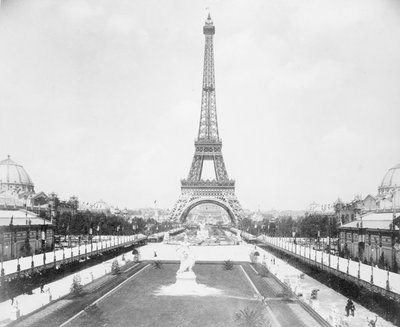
[
  {"x": 12, "y": 300},
  {"x": 372, "y": 323},
  {"x": 350, "y": 308},
  {"x": 41, "y": 287},
  {"x": 155, "y": 254}
]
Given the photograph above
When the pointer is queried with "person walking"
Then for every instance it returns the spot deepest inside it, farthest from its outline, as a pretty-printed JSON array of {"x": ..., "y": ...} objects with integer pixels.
[
  {"x": 350, "y": 308},
  {"x": 372, "y": 323}
]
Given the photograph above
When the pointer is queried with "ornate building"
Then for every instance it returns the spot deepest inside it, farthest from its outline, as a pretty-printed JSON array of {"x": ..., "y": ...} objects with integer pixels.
[
  {"x": 388, "y": 192},
  {"x": 22, "y": 232},
  {"x": 17, "y": 190},
  {"x": 373, "y": 236}
]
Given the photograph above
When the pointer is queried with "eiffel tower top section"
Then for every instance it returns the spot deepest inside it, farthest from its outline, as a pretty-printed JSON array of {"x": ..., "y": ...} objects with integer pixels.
[{"x": 208, "y": 128}]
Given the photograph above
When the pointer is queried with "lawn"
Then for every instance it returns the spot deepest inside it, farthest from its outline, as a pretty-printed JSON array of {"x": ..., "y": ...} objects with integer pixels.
[{"x": 135, "y": 304}]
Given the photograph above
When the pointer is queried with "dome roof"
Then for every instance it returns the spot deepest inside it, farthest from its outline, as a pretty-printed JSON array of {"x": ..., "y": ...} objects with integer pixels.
[
  {"x": 14, "y": 177},
  {"x": 392, "y": 178}
]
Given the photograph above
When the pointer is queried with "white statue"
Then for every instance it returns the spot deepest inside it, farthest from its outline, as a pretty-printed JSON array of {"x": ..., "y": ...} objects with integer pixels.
[{"x": 187, "y": 259}]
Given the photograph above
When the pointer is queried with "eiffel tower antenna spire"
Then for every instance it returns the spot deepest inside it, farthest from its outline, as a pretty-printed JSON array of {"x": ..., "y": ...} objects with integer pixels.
[
  {"x": 208, "y": 146},
  {"x": 208, "y": 128}
]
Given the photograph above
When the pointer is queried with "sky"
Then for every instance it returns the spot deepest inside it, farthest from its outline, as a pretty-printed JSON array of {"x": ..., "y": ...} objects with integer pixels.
[{"x": 101, "y": 98}]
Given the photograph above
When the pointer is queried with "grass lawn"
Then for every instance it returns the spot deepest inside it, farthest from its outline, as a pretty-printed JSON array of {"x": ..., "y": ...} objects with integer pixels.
[{"x": 135, "y": 303}]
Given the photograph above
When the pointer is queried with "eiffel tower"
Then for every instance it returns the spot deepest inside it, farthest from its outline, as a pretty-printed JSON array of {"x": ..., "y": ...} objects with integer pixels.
[{"x": 221, "y": 189}]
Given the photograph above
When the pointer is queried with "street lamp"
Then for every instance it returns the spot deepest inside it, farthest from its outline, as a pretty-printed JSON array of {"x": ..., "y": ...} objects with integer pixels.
[
  {"x": 43, "y": 239},
  {"x": 91, "y": 239},
  {"x": 2, "y": 257}
]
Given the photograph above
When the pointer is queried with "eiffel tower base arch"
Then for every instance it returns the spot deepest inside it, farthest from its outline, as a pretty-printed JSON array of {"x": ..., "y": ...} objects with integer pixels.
[{"x": 188, "y": 201}]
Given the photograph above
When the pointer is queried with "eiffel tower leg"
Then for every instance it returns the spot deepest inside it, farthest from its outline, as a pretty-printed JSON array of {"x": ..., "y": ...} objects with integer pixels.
[
  {"x": 179, "y": 207},
  {"x": 235, "y": 206},
  {"x": 196, "y": 168},
  {"x": 220, "y": 170}
]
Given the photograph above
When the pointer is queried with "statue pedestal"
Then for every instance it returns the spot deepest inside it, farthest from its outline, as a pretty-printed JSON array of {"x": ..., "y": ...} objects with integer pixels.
[
  {"x": 186, "y": 280},
  {"x": 186, "y": 285}
]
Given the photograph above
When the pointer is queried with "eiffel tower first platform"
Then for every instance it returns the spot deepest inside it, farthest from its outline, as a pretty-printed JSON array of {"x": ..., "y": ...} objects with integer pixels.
[{"x": 208, "y": 146}]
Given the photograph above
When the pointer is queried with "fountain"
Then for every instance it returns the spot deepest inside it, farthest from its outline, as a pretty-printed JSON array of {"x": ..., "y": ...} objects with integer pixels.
[{"x": 202, "y": 234}]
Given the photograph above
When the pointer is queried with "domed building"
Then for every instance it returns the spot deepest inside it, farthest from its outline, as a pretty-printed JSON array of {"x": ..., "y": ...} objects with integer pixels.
[
  {"x": 17, "y": 190},
  {"x": 375, "y": 236},
  {"x": 388, "y": 191},
  {"x": 13, "y": 177},
  {"x": 16, "y": 187},
  {"x": 22, "y": 232}
]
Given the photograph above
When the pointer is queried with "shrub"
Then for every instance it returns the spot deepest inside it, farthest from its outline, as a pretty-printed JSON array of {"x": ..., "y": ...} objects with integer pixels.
[
  {"x": 228, "y": 265},
  {"x": 115, "y": 267},
  {"x": 251, "y": 317},
  {"x": 157, "y": 264},
  {"x": 76, "y": 286}
]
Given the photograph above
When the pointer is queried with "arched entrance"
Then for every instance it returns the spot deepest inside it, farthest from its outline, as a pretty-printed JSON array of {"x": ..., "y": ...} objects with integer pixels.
[{"x": 191, "y": 205}]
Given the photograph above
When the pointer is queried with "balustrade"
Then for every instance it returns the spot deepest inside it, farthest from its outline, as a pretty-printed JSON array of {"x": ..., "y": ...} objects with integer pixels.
[
  {"x": 374, "y": 275},
  {"x": 65, "y": 254}
]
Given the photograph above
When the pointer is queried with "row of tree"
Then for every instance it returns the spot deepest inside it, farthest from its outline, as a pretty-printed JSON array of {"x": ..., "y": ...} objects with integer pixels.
[
  {"x": 310, "y": 226},
  {"x": 86, "y": 222}
]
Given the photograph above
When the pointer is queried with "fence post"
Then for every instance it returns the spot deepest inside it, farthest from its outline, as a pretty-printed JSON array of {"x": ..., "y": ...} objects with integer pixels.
[
  {"x": 387, "y": 281},
  {"x": 372, "y": 273}
]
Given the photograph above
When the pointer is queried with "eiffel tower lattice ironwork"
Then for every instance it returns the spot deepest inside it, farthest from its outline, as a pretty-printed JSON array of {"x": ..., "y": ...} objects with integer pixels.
[{"x": 221, "y": 189}]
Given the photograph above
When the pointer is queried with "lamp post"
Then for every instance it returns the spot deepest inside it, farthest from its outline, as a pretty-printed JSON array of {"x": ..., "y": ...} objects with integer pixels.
[
  {"x": 79, "y": 247},
  {"x": 2, "y": 258},
  {"x": 394, "y": 191},
  {"x": 43, "y": 240},
  {"x": 91, "y": 239},
  {"x": 85, "y": 249}
]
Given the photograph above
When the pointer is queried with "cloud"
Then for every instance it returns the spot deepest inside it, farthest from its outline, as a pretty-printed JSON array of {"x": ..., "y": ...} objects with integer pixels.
[
  {"x": 110, "y": 91},
  {"x": 340, "y": 136}
]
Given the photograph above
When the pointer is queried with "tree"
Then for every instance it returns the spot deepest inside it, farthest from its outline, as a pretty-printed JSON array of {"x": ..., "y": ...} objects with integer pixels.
[
  {"x": 228, "y": 265},
  {"x": 115, "y": 270},
  {"x": 76, "y": 286}
]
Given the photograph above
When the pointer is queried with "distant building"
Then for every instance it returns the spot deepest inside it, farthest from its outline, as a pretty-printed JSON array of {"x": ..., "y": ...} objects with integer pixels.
[
  {"x": 97, "y": 207},
  {"x": 23, "y": 233},
  {"x": 315, "y": 209},
  {"x": 388, "y": 192},
  {"x": 371, "y": 233},
  {"x": 17, "y": 190}
]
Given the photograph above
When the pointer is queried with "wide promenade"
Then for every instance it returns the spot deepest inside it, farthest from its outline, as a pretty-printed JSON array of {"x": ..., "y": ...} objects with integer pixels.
[{"x": 131, "y": 298}]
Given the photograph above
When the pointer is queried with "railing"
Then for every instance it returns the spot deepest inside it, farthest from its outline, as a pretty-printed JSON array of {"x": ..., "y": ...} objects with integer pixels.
[
  {"x": 375, "y": 276},
  {"x": 12, "y": 267}
]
